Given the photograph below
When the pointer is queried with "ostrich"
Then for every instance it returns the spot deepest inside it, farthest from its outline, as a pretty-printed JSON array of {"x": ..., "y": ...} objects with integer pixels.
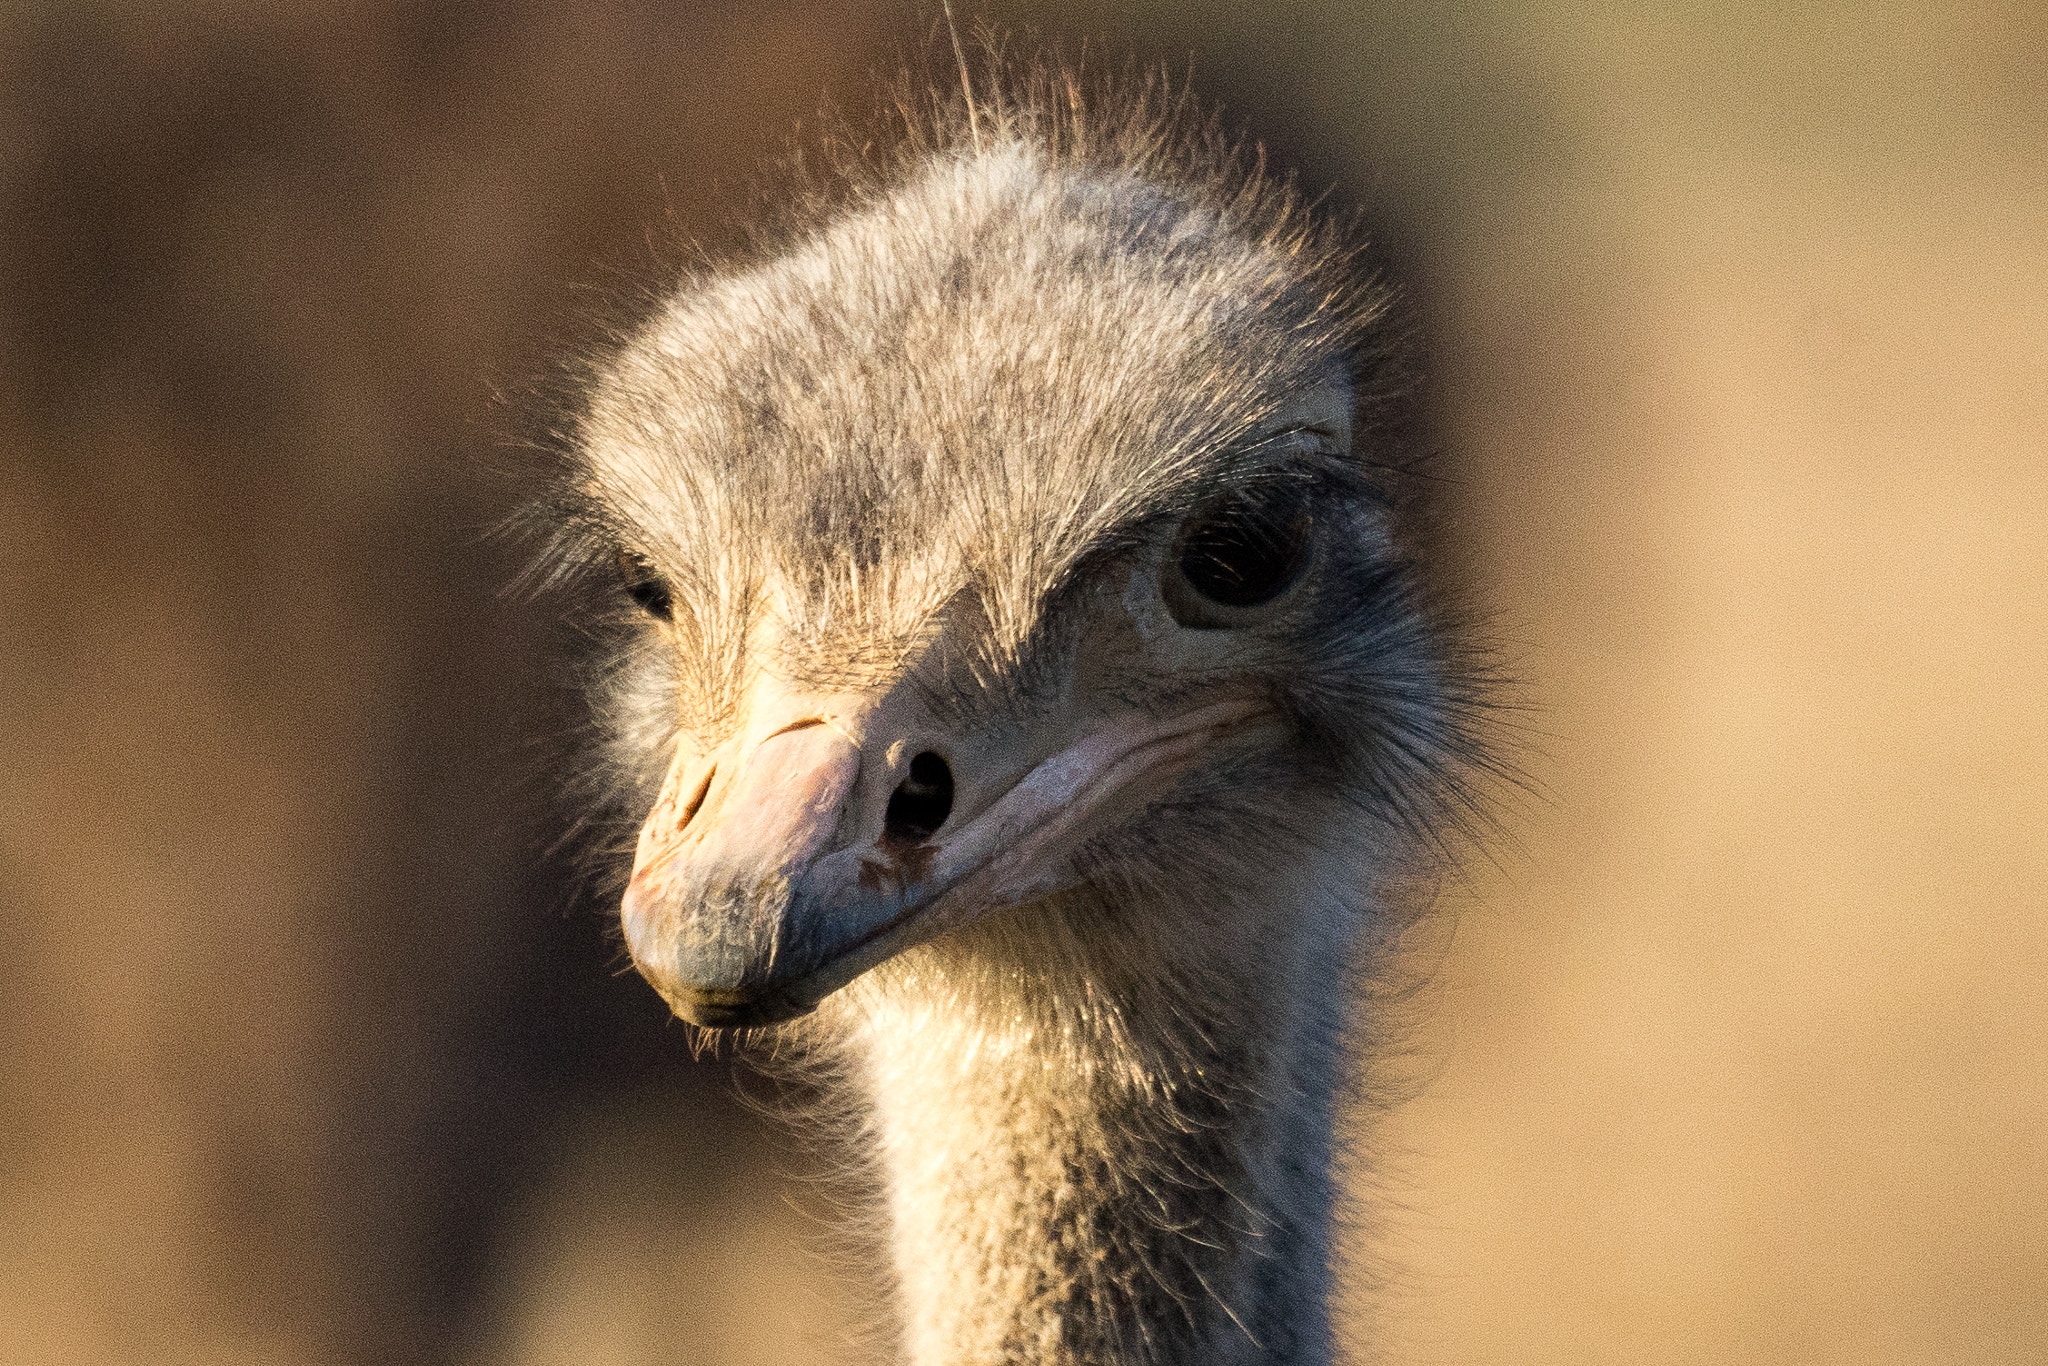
[{"x": 1032, "y": 709}]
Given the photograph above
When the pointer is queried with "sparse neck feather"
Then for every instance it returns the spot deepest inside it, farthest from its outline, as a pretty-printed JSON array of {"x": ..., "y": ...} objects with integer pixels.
[{"x": 1104, "y": 1132}]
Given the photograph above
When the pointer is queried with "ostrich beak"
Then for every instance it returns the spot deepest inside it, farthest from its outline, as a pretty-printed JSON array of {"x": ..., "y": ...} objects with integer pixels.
[
  {"x": 761, "y": 885},
  {"x": 707, "y": 912}
]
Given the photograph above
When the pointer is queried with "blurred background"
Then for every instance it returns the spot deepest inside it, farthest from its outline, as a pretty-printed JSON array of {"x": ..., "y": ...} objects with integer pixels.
[{"x": 1735, "y": 327}]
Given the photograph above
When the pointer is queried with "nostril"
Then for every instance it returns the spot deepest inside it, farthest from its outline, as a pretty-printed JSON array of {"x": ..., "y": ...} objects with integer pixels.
[{"x": 921, "y": 802}]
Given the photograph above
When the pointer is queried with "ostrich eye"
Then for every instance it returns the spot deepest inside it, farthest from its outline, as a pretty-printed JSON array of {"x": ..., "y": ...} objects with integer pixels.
[
  {"x": 644, "y": 584},
  {"x": 1242, "y": 550}
]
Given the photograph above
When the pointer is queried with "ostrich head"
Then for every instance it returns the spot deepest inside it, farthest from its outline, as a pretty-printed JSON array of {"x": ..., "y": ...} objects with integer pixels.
[{"x": 1012, "y": 538}]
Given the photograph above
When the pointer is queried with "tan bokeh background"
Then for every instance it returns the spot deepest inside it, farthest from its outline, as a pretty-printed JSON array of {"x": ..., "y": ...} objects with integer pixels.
[{"x": 1736, "y": 327}]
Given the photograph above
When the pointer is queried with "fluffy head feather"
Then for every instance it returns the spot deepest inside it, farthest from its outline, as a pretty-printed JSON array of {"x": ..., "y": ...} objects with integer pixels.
[{"x": 957, "y": 378}]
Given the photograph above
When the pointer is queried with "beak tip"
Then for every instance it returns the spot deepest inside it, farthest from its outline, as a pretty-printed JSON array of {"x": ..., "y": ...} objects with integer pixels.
[{"x": 715, "y": 984}]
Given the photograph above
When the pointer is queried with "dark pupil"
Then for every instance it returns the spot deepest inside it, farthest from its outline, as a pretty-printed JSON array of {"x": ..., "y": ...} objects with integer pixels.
[
  {"x": 1245, "y": 548},
  {"x": 643, "y": 584}
]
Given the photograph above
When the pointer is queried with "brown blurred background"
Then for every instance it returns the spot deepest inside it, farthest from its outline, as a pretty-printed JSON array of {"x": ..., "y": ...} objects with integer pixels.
[{"x": 1736, "y": 326}]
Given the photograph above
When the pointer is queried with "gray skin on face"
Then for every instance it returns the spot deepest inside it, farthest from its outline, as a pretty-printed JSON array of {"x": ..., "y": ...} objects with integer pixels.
[{"x": 1032, "y": 674}]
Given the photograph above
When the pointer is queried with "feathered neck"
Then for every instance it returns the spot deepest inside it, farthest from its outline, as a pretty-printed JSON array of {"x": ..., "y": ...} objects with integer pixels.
[{"x": 1103, "y": 1128}]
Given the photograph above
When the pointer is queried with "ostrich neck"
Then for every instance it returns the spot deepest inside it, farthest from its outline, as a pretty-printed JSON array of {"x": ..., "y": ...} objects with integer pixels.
[{"x": 1089, "y": 1173}]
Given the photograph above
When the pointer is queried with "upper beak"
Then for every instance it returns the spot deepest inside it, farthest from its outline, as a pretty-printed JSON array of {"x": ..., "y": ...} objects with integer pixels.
[{"x": 767, "y": 877}]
